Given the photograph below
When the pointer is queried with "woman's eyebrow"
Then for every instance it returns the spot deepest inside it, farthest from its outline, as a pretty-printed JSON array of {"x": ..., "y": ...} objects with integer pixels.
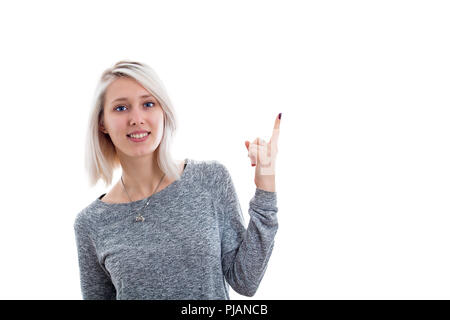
[{"x": 124, "y": 98}]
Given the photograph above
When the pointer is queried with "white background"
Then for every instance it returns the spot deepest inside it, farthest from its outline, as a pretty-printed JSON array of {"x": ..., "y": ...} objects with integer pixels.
[{"x": 363, "y": 168}]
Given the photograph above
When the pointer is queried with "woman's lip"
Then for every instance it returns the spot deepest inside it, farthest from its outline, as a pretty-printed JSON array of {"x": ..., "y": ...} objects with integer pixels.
[
  {"x": 138, "y": 133},
  {"x": 138, "y": 139}
]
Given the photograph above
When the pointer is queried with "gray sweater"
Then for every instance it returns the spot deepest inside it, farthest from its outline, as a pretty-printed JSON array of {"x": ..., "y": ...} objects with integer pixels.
[{"x": 192, "y": 244}]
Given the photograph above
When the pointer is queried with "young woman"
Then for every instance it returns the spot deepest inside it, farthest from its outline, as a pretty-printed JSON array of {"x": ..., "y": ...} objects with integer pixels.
[{"x": 167, "y": 229}]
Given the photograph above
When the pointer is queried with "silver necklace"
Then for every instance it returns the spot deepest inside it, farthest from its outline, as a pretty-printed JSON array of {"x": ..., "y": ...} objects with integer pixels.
[{"x": 139, "y": 217}]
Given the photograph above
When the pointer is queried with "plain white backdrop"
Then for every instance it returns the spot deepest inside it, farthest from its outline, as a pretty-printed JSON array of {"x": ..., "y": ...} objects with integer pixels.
[{"x": 363, "y": 167}]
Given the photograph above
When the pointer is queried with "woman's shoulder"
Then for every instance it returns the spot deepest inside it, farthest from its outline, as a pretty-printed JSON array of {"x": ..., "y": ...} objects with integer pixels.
[
  {"x": 209, "y": 165},
  {"x": 209, "y": 169},
  {"x": 210, "y": 174},
  {"x": 88, "y": 216}
]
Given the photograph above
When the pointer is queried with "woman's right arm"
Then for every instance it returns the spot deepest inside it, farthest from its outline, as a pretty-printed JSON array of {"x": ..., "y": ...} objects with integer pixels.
[{"x": 95, "y": 283}]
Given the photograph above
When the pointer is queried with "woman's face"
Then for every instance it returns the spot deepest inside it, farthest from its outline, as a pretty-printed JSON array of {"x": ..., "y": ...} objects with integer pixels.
[{"x": 129, "y": 107}]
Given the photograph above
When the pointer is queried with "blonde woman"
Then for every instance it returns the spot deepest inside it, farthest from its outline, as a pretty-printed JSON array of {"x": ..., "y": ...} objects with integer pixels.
[{"x": 167, "y": 229}]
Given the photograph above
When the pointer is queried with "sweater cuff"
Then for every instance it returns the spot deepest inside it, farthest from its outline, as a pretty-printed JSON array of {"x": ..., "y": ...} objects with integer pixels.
[
  {"x": 264, "y": 206},
  {"x": 265, "y": 199}
]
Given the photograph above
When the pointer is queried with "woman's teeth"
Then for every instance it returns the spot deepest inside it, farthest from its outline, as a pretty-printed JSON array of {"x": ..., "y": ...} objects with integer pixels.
[{"x": 138, "y": 136}]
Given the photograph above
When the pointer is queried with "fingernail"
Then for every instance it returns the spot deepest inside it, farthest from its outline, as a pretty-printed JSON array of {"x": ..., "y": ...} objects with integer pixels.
[
  {"x": 253, "y": 165},
  {"x": 279, "y": 116}
]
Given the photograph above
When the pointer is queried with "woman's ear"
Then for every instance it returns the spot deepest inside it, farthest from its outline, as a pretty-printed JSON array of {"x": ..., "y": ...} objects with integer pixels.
[{"x": 102, "y": 127}]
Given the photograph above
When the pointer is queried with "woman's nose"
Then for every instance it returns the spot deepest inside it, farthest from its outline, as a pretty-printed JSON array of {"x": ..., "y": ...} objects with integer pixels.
[{"x": 136, "y": 116}]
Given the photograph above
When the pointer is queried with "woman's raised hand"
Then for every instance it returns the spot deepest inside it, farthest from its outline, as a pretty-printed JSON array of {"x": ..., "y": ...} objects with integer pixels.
[{"x": 263, "y": 156}]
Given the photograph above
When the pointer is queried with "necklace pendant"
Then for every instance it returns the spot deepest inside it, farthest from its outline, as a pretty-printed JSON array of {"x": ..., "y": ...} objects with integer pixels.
[{"x": 140, "y": 218}]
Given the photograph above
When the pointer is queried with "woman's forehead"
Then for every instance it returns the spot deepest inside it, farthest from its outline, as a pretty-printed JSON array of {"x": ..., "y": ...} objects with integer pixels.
[{"x": 125, "y": 89}]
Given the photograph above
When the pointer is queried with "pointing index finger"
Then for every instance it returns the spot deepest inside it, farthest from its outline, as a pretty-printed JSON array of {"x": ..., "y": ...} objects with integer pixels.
[{"x": 276, "y": 130}]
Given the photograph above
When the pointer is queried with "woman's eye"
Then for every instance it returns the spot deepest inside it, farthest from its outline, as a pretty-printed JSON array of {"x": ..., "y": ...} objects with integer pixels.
[{"x": 152, "y": 105}]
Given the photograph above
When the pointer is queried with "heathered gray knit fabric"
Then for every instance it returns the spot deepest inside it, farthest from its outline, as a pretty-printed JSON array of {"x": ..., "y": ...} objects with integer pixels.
[{"x": 192, "y": 244}]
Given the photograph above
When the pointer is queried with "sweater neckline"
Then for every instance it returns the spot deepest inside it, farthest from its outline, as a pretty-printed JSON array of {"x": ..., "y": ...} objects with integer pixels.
[{"x": 154, "y": 195}]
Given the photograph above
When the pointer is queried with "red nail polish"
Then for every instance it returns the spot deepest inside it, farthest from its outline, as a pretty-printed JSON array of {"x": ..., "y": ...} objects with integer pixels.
[
  {"x": 253, "y": 165},
  {"x": 279, "y": 116}
]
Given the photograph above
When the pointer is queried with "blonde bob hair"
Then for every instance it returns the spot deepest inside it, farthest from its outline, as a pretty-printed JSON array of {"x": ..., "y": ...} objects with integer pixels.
[{"x": 101, "y": 157}]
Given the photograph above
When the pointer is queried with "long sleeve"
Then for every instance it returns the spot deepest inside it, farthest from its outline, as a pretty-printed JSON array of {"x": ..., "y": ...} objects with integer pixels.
[
  {"x": 95, "y": 283},
  {"x": 246, "y": 252}
]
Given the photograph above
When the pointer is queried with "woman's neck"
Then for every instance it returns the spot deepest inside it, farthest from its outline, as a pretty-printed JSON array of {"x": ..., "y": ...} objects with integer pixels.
[{"x": 141, "y": 175}]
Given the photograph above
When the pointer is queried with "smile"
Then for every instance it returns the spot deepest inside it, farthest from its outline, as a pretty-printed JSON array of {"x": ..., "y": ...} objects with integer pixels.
[{"x": 138, "y": 137}]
